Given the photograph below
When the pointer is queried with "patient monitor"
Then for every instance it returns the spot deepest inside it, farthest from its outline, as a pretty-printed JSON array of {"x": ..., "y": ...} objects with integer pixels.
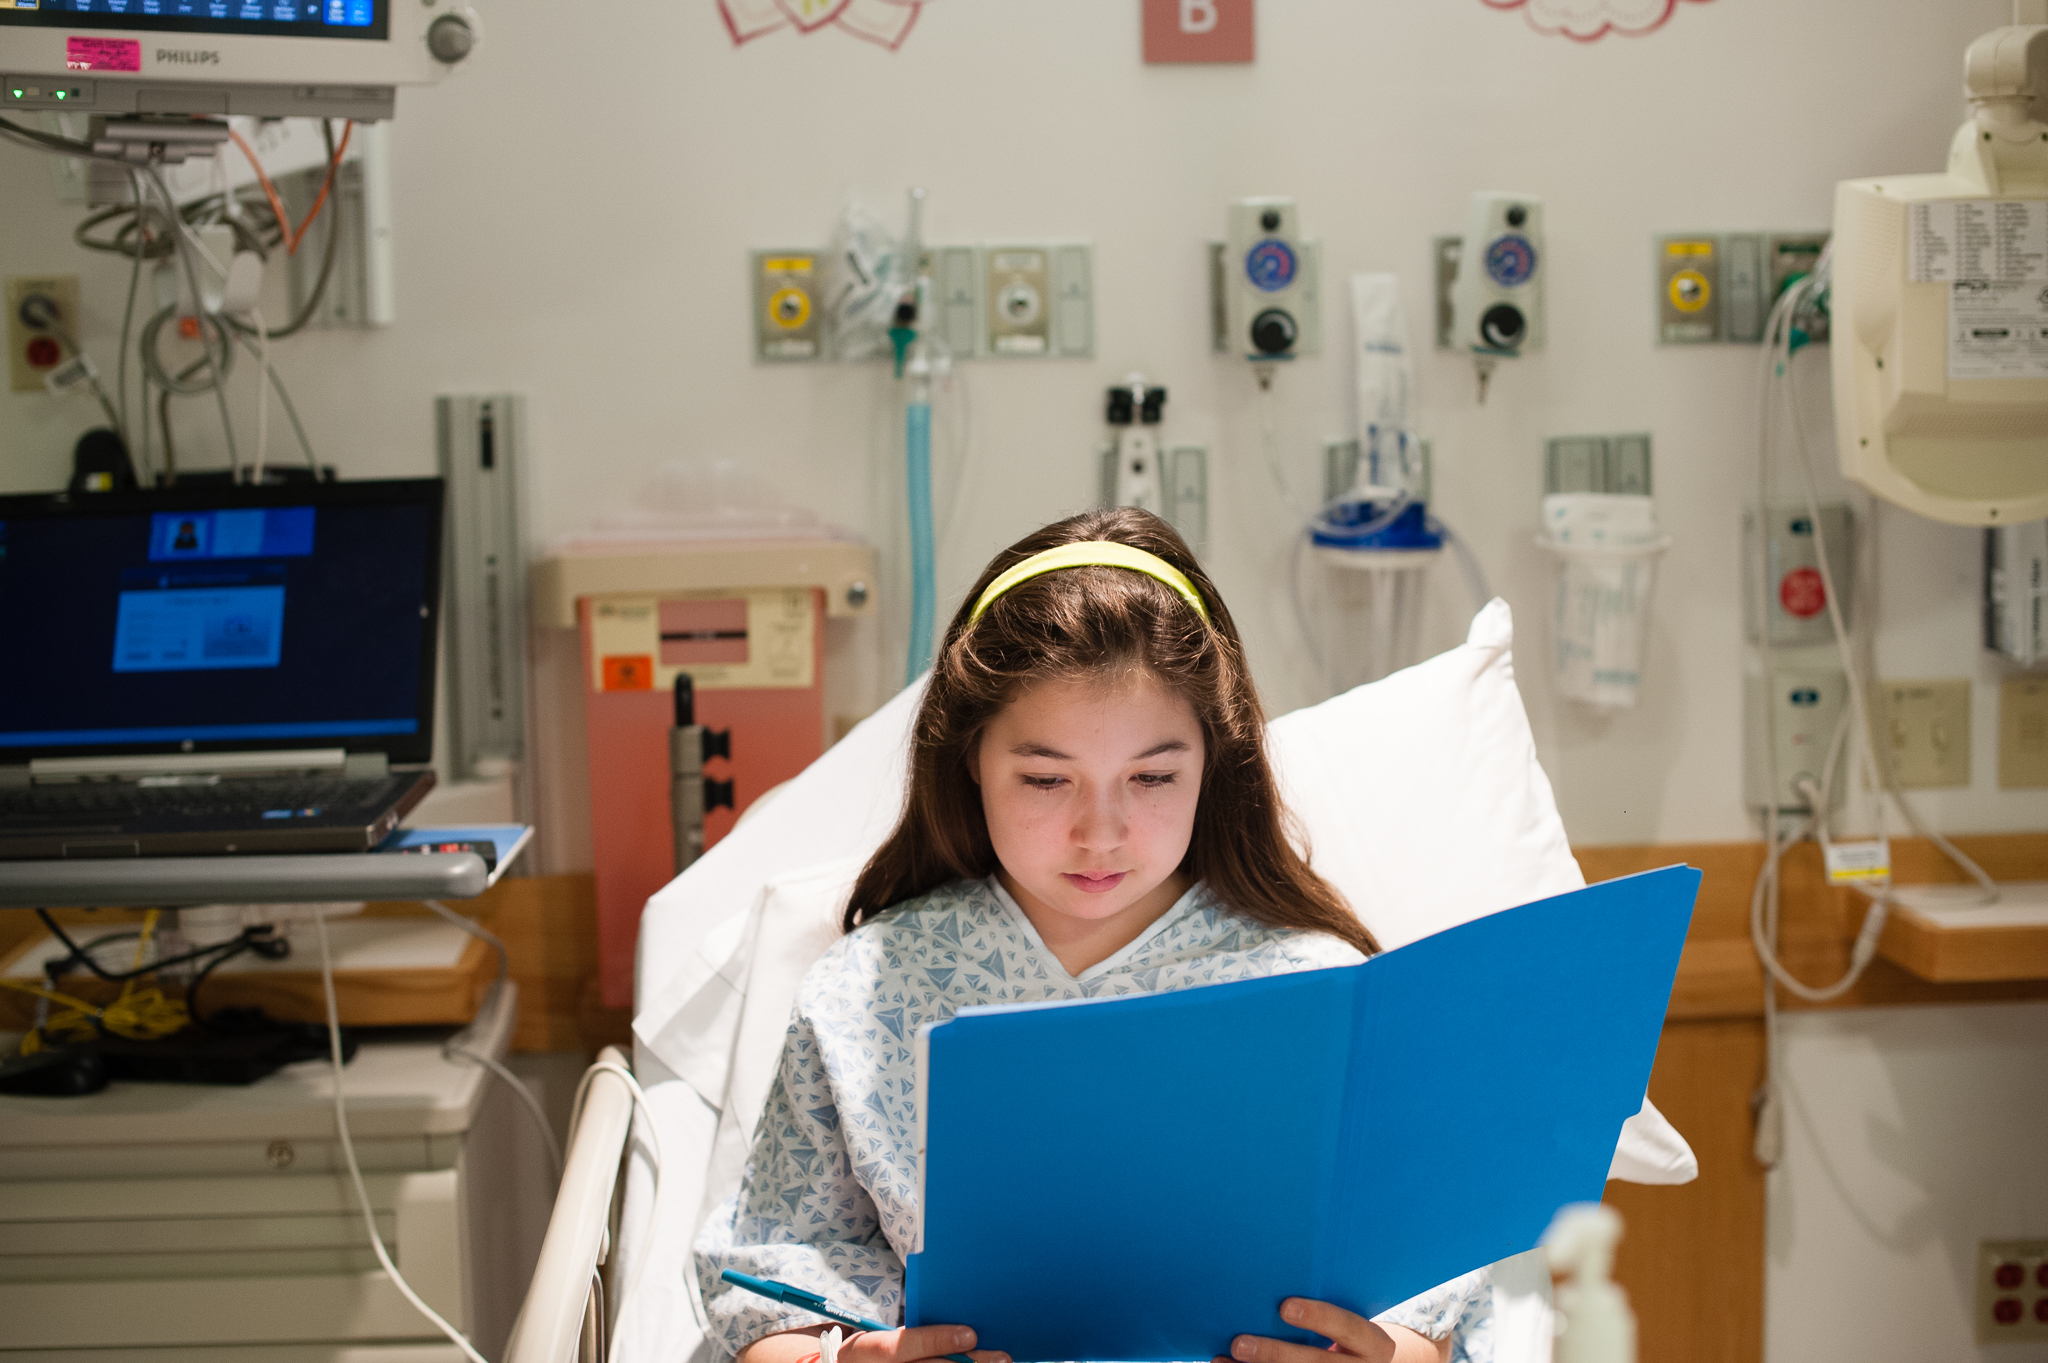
[
  {"x": 1940, "y": 307},
  {"x": 269, "y": 58}
]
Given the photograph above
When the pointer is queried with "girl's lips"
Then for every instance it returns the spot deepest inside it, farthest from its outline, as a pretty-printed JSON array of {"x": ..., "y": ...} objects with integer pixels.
[{"x": 1096, "y": 884}]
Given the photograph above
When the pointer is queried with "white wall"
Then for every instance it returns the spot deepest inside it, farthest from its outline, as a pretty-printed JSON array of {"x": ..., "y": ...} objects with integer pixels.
[
  {"x": 1910, "y": 1135},
  {"x": 574, "y": 209}
]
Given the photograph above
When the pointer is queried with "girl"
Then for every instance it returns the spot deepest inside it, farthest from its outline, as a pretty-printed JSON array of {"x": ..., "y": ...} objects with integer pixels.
[{"x": 1090, "y": 813}]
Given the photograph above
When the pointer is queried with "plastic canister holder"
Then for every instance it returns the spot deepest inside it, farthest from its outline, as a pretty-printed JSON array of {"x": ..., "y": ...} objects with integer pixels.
[{"x": 1605, "y": 549}]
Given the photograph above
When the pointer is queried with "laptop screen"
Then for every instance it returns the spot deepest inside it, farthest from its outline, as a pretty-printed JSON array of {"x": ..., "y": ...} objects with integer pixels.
[{"x": 220, "y": 620}]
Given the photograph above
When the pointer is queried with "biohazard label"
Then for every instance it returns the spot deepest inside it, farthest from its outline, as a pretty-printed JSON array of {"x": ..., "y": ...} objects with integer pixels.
[
  {"x": 1997, "y": 331},
  {"x": 102, "y": 54}
]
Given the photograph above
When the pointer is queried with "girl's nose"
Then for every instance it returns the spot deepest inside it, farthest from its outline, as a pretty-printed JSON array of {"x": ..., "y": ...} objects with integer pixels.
[{"x": 1100, "y": 820}]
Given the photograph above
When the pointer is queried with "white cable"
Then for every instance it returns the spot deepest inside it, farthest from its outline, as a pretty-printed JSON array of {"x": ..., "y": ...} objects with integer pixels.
[
  {"x": 1888, "y": 778},
  {"x": 456, "y": 1045},
  {"x": 262, "y": 394},
  {"x": 625, "y": 1076},
  {"x": 348, "y": 1154},
  {"x": 182, "y": 236}
]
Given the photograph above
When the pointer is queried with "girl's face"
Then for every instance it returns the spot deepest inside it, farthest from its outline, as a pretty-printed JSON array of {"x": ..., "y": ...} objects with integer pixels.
[{"x": 1090, "y": 791}]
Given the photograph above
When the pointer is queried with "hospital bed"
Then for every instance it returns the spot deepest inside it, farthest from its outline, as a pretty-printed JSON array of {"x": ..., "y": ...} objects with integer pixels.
[{"x": 1421, "y": 798}]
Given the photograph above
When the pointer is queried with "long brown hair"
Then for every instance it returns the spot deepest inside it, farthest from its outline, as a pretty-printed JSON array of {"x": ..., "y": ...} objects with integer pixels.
[{"x": 1100, "y": 622}]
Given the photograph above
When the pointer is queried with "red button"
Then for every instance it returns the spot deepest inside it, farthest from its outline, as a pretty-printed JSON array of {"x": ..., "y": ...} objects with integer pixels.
[
  {"x": 2006, "y": 1310},
  {"x": 1804, "y": 593},
  {"x": 2041, "y": 1310},
  {"x": 44, "y": 352},
  {"x": 2008, "y": 1276},
  {"x": 2041, "y": 1275}
]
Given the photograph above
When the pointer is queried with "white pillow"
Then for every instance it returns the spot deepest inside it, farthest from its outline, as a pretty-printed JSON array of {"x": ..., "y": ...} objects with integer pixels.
[
  {"x": 1420, "y": 795},
  {"x": 1422, "y": 801}
]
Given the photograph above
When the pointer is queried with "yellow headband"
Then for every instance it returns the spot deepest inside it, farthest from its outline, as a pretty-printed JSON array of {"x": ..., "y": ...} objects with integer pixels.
[{"x": 1092, "y": 554}]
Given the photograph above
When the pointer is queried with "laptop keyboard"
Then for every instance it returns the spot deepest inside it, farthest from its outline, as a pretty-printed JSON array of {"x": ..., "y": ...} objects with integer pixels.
[{"x": 299, "y": 798}]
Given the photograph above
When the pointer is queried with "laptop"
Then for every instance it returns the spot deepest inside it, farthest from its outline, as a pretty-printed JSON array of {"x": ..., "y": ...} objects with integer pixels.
[{"x": 206, "y": 671}]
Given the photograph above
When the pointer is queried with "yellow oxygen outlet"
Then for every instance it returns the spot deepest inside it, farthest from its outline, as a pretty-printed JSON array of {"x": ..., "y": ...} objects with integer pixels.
[{"x": 1690, "y": 291}]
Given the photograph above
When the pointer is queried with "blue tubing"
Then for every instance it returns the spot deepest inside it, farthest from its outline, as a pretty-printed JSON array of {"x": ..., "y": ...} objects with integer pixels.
[{"x": 917, "y": 448}]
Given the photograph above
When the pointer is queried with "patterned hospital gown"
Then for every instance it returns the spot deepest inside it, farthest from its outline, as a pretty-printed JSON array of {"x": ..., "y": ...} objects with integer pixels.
[{"x": 829, "y": 1201}]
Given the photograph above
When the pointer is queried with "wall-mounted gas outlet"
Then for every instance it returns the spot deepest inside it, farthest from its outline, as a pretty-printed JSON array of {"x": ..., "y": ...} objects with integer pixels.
[
  {"x": 1793, "y": 255},
  {"x": 2023, "y": 733},
  {"x": 1719, "y": 286},
  {"x": 1019, "y": 300},
  {"x": 1035, "y": 301},
  {"x": 1804, "y": 705},
  {"x": 1923, "y": 732},
  {"x": 1688, "y": 290},
  {"x": 787, "y": 319},
  {"x": 1039, "y": 301},
  {"x": 33, "y": 351},
  {"x": 2012, "y": 1290}
]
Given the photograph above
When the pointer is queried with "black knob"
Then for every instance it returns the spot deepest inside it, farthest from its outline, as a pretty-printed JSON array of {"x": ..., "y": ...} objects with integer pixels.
[
  {"x": 1120, "y": 406},
  {"x": 450, "y": 38},
  {"x": 1503, "y": 326},
  {"x": 1517, "y": 215},
  {"x": 1153, "y": 407},
  {"x": 717, "y": 795},
  {"x": 686, "y": 701},
  {"x": 1273, "y": 332},
  {"x": 1270, "y": 220},
  {"x": 718, "y": 743}
]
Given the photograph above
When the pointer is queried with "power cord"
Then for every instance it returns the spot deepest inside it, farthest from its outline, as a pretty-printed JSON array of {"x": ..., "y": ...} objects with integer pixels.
[
  {"x": 1777, "y": 364},
  {"x": 462, "y": 1044},
  {"x": 355, "y": 1171}
]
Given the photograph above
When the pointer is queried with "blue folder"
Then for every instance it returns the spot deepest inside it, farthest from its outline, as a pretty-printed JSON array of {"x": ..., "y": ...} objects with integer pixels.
[{"x": 1145, "y": 1178}]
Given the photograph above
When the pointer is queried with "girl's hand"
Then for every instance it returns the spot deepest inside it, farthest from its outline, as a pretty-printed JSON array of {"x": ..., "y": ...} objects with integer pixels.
[
  {"x": 1349, "y": 1335},
  {"x": 902, "y": 1345},
  {"x": 905, "y": 1345}
]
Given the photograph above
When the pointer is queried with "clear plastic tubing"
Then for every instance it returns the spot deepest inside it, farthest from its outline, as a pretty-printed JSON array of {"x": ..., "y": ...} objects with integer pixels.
[{"x": 917, "y": 451}]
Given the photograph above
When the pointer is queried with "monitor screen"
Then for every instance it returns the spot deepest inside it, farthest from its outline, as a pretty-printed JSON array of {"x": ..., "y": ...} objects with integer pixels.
[
  {"x": 283, "y": 18},
  {"x": 227, "y": 620}
]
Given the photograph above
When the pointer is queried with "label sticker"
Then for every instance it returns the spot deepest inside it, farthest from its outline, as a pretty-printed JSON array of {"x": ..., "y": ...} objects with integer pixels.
[
  {"x": 102, "y": 54},
  {"x": 629, "y": 672},
  {"x": 1854, "y": 863},
  {"x": 1510, "y": 260},
  {"x": 1997, "y": 331},
  {"x": 1995, "y": 240},
  {"x": 1270, "y": 265}
]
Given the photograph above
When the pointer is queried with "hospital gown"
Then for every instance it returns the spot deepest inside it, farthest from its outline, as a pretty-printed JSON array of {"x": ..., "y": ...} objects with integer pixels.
[{"x": 829, "y": 1201}]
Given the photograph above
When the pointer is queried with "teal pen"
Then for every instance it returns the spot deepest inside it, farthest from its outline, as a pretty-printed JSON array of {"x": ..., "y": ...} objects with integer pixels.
[{"x": 810, "y": 1301}]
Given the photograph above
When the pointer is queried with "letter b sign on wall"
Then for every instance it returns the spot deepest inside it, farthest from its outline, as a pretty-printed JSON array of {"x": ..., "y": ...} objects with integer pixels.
[{"x": 1198, "y": 30}]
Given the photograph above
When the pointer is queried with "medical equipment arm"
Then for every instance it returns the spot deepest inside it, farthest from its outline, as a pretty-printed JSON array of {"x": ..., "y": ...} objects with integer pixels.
[{"x": 564, "y": 1308}]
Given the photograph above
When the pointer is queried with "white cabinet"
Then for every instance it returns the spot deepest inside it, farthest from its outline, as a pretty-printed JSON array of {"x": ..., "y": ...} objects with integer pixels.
[{"x": 154, "y": 1219}]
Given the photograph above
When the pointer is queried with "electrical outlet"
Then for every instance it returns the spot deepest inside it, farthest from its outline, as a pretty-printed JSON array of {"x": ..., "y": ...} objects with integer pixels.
[
  {"x": 2012, "y": 1290},
  {"x": 2023, "y": 733},
  {"x": 1688, "y": 290},
  {"x": 34, "y": 351},
  {"x": 1805, "y": 706},
  {"x": 1924, "y": 733}
]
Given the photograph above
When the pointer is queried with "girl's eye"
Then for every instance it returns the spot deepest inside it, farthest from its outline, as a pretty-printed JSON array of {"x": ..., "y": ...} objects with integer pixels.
[
  {"x": 1044, "y": 782},
  {"x": 1153, "y": 780}
]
